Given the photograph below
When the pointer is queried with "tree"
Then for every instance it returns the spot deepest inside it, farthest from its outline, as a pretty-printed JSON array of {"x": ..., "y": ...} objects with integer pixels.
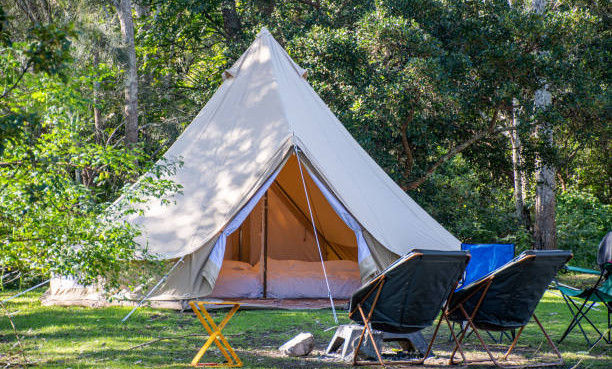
[
  {"x": 231, "y": 21},
  {"x": 545, "y": 232},
  {"x": 52, "y": 221},
  {"x": 124, "y": 12}
]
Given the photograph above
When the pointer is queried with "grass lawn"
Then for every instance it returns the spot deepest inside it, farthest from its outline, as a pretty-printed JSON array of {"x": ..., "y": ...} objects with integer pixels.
[{"x": 75, "y": 337}]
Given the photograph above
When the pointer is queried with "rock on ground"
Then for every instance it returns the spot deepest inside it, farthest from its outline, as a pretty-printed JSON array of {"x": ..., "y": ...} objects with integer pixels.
[{"x": 300, "y": 345}]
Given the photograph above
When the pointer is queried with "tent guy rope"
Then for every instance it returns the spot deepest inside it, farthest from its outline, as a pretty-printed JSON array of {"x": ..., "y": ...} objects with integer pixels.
[
  {"x": 314, "y": 227},
  {"x": 162, "y": 280}
]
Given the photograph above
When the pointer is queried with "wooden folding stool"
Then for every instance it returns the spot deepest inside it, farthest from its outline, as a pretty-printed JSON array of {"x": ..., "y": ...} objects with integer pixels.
[{"x": 215, "y": 334}]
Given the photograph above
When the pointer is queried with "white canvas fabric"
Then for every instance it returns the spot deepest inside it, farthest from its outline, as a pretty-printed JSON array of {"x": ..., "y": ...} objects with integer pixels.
[
  {"x": 264, "y": 112},
  {"x": 264, "y": 107}
]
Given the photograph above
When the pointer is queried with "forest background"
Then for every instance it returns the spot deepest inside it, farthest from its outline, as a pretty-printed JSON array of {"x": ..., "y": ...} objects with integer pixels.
[{"x": 493, "y": 115}]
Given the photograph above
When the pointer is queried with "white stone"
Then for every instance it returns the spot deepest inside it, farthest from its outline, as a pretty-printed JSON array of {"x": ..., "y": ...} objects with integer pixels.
[{"x": 300, "y": 345}]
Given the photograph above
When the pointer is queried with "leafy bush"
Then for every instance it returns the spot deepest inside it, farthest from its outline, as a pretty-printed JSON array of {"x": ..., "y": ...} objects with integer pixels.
[{"x": 582, "y": 221}]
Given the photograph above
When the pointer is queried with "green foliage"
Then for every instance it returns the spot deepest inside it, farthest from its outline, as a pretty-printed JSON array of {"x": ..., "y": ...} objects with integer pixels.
[
  {"x": 57, "y": 188},
  {"x": 426, "y": 87},
  {"x": 582, "y": 221},
  {"x": 58, "y": 183},
  {"x": 482, "y": 209},
  {"x": 45, "y": 49}
]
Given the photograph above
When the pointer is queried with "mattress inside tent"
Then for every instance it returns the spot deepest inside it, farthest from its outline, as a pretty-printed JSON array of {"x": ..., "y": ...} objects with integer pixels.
[
  {"x": 293, "y": 266},
  {"x": 287, "y": 279}
]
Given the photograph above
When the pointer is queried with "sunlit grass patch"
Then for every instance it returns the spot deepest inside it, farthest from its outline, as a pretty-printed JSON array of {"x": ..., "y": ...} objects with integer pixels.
[{"x": 77, "y": 337}]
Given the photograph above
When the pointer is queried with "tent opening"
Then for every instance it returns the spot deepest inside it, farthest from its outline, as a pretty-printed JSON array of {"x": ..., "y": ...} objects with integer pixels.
[{"x": 273, "y": 254}]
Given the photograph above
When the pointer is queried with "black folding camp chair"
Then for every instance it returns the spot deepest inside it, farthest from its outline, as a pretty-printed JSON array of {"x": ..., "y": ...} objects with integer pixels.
[
  {"x": 407, "y": 297},
  {"x": 599, "y": 294},
  {"x": 506, "y": 299}
]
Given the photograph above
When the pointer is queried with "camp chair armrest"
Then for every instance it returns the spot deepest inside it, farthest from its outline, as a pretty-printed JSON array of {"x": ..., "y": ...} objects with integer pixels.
[{"x": 582, "y": 270}]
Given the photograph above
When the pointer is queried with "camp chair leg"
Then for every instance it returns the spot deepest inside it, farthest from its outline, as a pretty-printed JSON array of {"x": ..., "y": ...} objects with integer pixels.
[
  {"x": 493, "y": 338},
  {"x": 462, "y": 337},
  {"x": 602, "y": 335},
  {"x": 215, "y": 335},
  {"x": 485, "y": 287},
  {"x": 578, "y": 315},
  {"x": 367, "y": 328},
  {"x": 443, "y": 316},
  {"x": 609, "y": 340},
  {"x": 550, "y": 341},
  {"x": 581, "y": 313},
  {"x": 356, "y": 350},
  {"x": 457, "y": 341},
  {"x": 570, "y": 302},
  {"x": 458, "y": 347},
  {"x": 514, "y": 341},
  {"x": 366, "y": 323},
  {"x": 512, "y": 346}
]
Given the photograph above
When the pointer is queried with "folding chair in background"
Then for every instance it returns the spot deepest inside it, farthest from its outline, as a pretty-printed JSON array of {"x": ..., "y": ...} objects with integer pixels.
[
  {"x": 407, "y": 297},
  {"x": 487, "y": 257},
  {"x": 506, "y": 300},
  {"x": 599, "y": 293}
]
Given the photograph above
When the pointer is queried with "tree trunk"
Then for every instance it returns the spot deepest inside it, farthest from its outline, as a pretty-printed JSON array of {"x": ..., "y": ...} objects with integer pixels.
[
  {"x": 266, "y": 7},
  {"x": 231, "y": 21},
  {"x": 124, "y": 10},
  {"x": 545, "y": 230},
  {"x": 515, "y": 140},
  {"x": 141, "y": 10},
  {"x": 96, "y": 100}
]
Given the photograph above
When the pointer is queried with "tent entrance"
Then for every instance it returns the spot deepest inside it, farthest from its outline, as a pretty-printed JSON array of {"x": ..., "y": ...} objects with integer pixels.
[{"x": 273, "y": 254}]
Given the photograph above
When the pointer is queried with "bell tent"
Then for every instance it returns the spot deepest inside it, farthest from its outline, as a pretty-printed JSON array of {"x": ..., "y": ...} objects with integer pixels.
[{"x": 278, "y": 199}]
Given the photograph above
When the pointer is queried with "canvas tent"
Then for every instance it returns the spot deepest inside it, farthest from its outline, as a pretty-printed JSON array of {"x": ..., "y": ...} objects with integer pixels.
[{"x": 244, "y": 204}]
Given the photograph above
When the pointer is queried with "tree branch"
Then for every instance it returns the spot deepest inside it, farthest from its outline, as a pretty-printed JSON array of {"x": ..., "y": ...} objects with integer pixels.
[
  {"x": 456, "y": 150},
  {"x": 60, "y": 163},
  {"x": 23, "y": 72},
  {"x": 406, "y": 144}
]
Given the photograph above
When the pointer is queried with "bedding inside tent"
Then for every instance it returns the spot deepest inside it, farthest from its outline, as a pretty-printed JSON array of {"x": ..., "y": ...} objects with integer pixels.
[{"x": 274, "y": 253}]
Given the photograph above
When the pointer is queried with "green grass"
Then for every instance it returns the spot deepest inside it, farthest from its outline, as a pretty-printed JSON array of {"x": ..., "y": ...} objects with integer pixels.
[{"x": 75, "y": 337}]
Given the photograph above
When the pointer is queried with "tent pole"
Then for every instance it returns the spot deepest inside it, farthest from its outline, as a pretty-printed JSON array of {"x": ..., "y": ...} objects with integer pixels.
[
  {"x": 240, "y": 243},
  {"x": 331, "y": 299},
  {"x": 153, "y": 289},
  {"x": 26, "y": 291},
  {"x": 304, "y": 218},
  {"x": 265, "y": 246}
]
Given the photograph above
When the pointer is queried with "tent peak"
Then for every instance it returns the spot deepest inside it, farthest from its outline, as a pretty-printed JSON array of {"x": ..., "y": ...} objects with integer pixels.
[
  {"x": 260, "y": 51},
  {"x": 263, "y": 31}
]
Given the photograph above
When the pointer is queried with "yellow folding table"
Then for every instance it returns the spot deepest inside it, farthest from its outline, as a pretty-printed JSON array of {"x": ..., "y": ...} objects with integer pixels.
[{"x": 215, "y": 335}]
